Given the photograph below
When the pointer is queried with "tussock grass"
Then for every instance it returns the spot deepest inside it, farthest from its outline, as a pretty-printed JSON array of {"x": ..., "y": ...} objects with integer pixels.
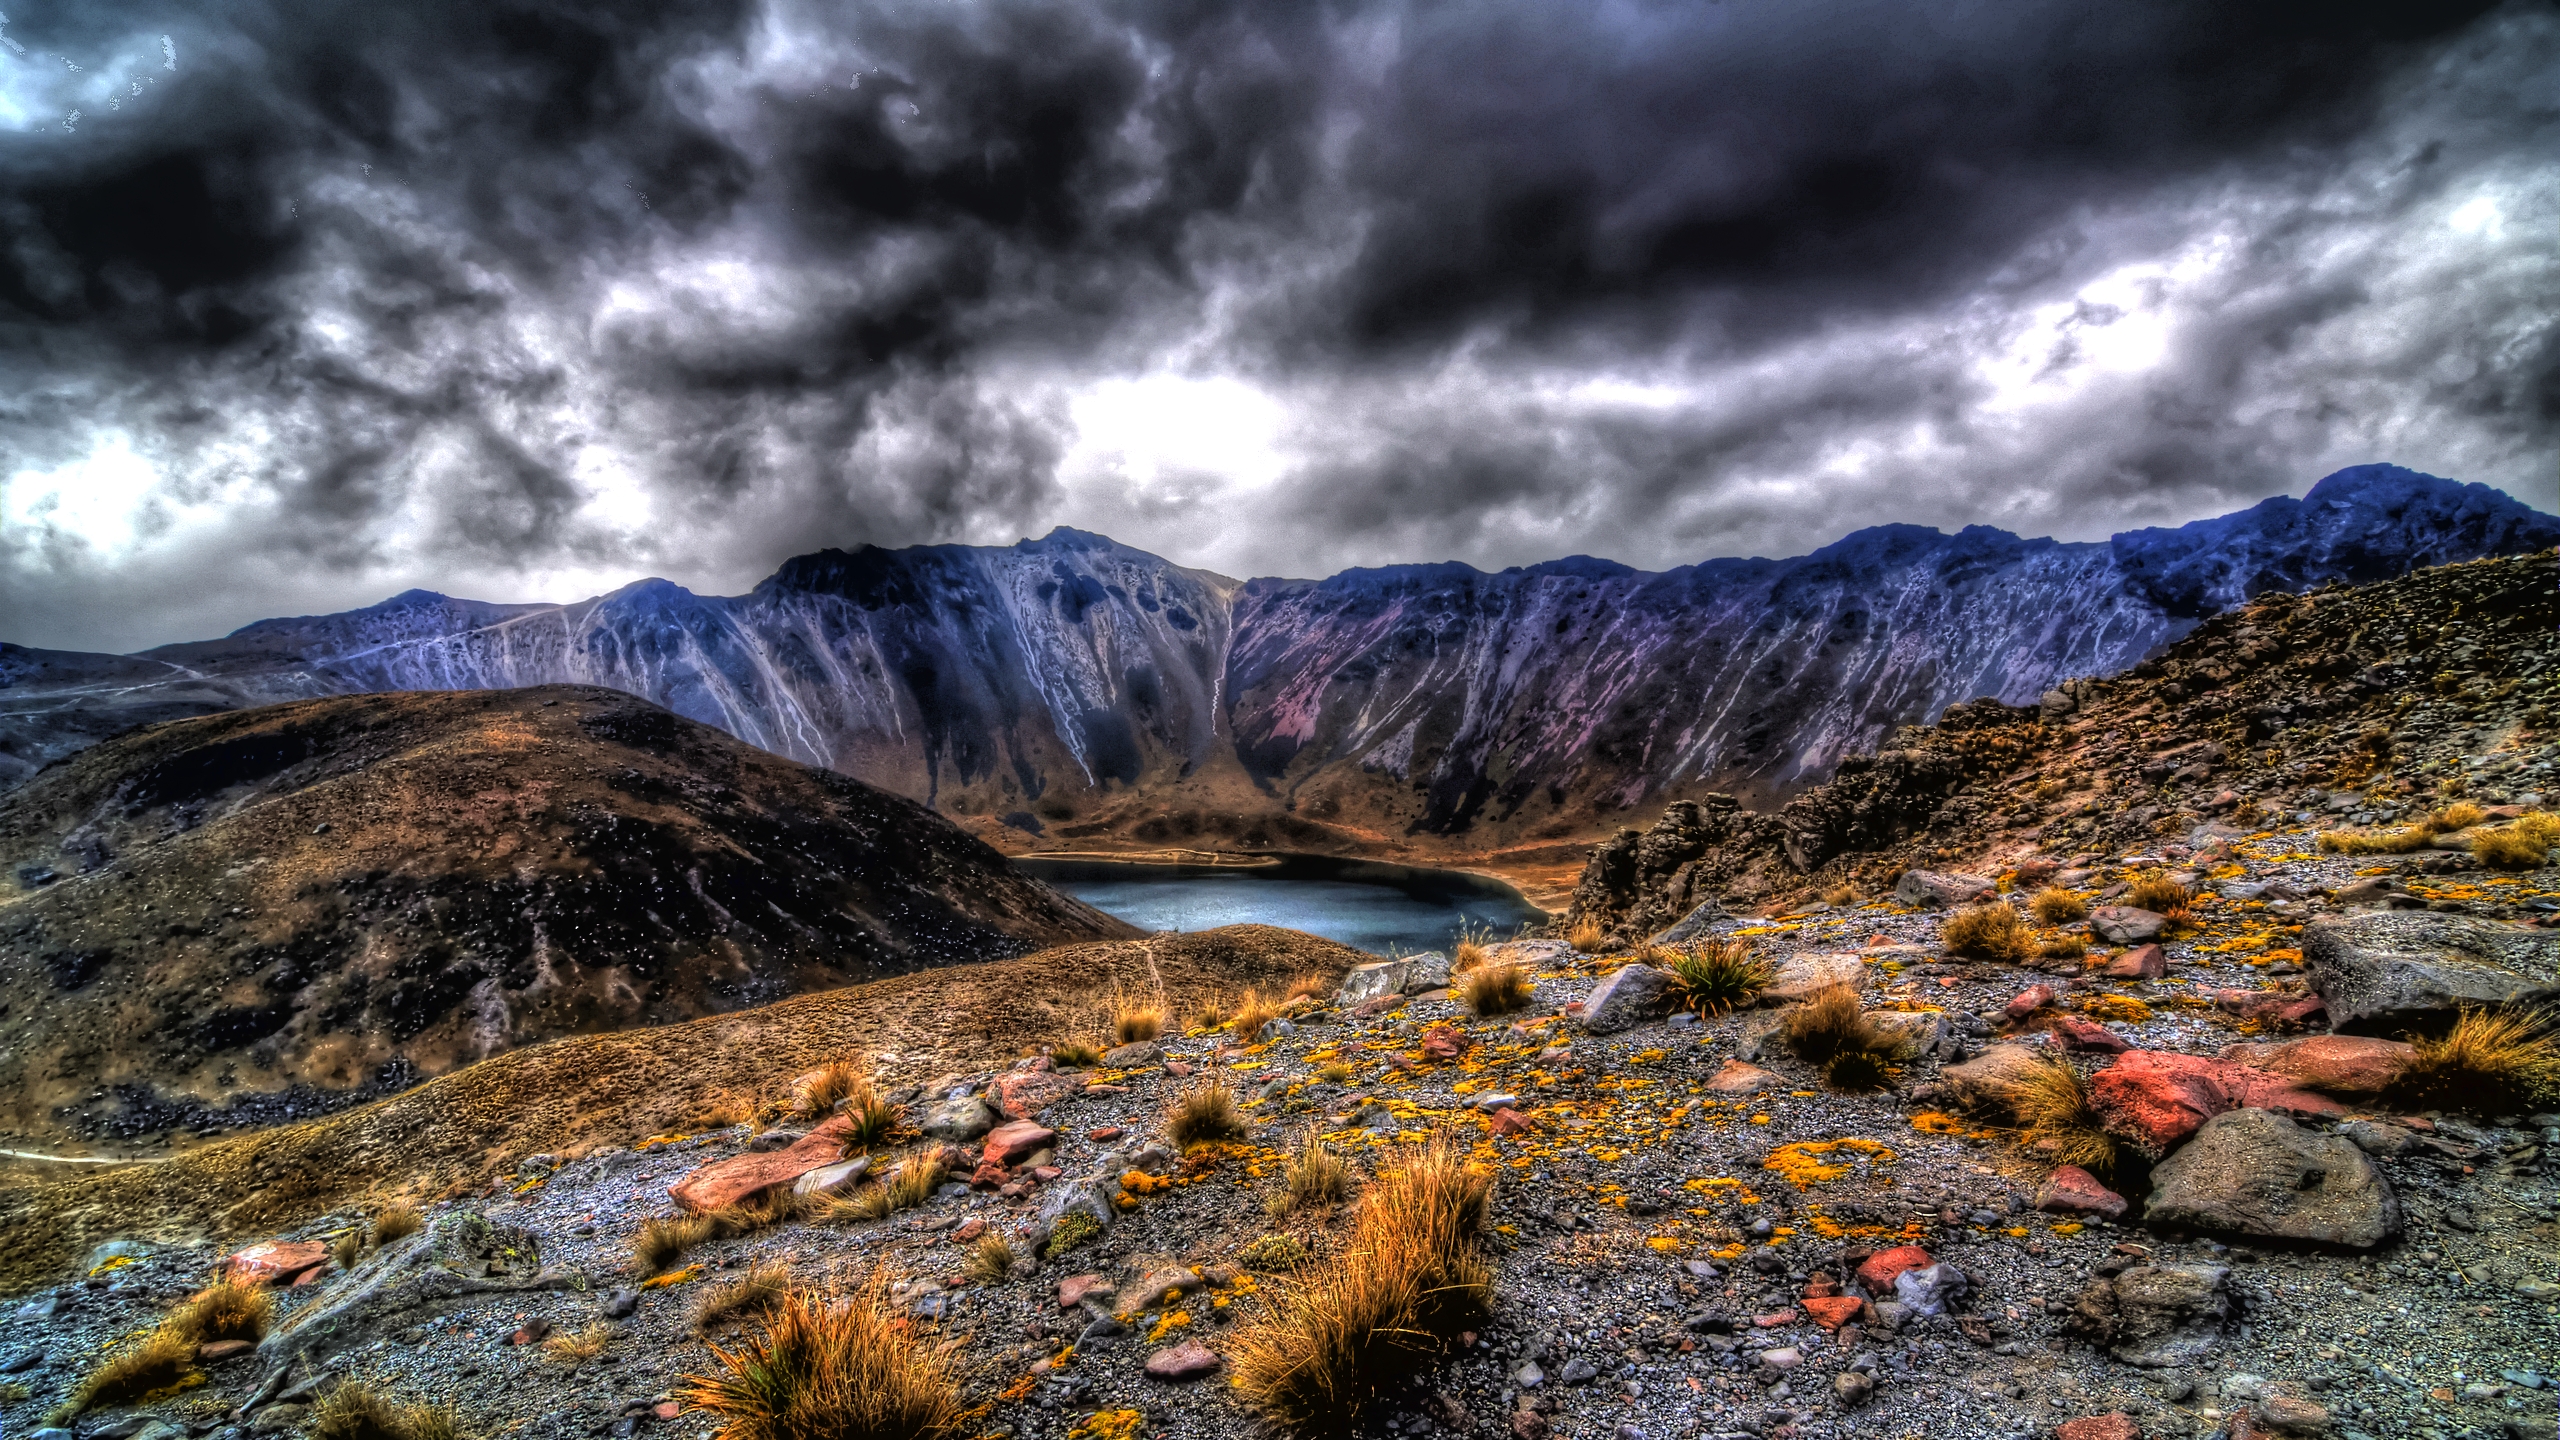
[
  {"x": 1208, "y": 1012},
  {"x": 1992, "y": 931},
  {"x": 1311, "y": 986},
  {"x": 2161, "y": 896},
  {"x": 1133, "y": 1020},
  {"x": 1714, "y": 976},
  {"x": 755, "y": 1293},
  {"x": 873, "y": 1118},
  {"x": 1840, "y": 897},
  {"x": 1313, "y": 1178},
  {"x": 154, "y": 1363},
  {"x": 2524, "y": 845},
  {"x": 2050, "y": 1103},
  {"x": 2063, "y": 947},
  {"x": 830, "y": 1084},
  {"x": 1251, "y": 1014},
  {"x": 2054, "y": 905},
  {"x": 726, "y": 1107},
  {"x": 833, "y": 1368},
  {"x": 662, "y": 1240},
  {"x": 1586, "y": 935},
  {"x": 225, "y": 1312},
  {"x": 1075, "y": 1055},
  {"x": 2491, "y": 1060},
  {"x": 905, "y": 1188},
  {"x": 347, "y": 1249},
  {"x": 356, "y": 1411},
  {"x": 991, "y": 1259},
  {"x": 1474, "y": 947},
  {"x": 1494, "y": 989},
  {"x": 2461, "y": 815},
  {"x": 1857, "y": 1072},
  {"x": 396, "y": 1221},
  {"x": 1202, "y": 1113},
  {"x": 1832, "y": 1031},
  {"x": 1336, "y": 1072},
  {"x": 1347, "y": 1335},
  {"x": 572, "y": 1347}
]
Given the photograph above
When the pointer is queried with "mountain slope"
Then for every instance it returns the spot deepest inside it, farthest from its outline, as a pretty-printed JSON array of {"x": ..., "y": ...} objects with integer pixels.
[
  {"x": 298, "y": 903},
  {"x": 1074, "y": 691}
]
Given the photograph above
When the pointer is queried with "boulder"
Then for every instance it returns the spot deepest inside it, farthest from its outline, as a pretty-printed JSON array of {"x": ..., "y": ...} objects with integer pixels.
[
  {"x": 1017, "y": 1140},
  {"x": 743, "y": 1177},
  {"x": 2390, "y": 972},
  {"x": 2255, "y": 1172},
  {"x": 1701, "y": 919},
  {"x": 833, "y": 1179},
  {"x": 2126, "y": 924},
  {"x": 2336, "y": 1064},
  {"x": 2079, "y": 1032},
  {"x": 1933, "y": 890},
  {"x": 2155, "y": 1316},
  {"x": 275, "y": 1262},
  {"x": 1736, "y": 1078},
  {"x": 1023, "y": 1096},
  {"x": 960, "y": 1119},
  {"x": 1918, "y": 1032},
  {"x": 1798, "y": 976},
  {"x": 1404, "y": 975},
  {"x": 1133, "y": 1055},
  {"x": 2156, "y": 1098},
  {"x": 2027, "y": 1002},
  {"x": 1630, "y": 997},
  {"x": 2070, "y": 1190},
  {"x": 2142, "y": 962},
  {"x": 459, "y": 1260}
]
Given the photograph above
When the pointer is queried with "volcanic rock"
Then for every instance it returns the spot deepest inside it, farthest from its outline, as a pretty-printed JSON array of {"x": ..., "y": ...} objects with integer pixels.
[
  {"x": 2390, "y": 972},
  {"x": 2254, "y": 1172}
]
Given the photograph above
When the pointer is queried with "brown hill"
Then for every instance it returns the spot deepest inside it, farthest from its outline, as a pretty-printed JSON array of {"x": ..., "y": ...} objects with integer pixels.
[
  {"x": 462, "y": 1129},
  {"x": 240, "y": 918}
]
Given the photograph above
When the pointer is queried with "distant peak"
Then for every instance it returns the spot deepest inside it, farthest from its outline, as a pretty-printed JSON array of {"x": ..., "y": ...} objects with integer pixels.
[{"x": 1067, "y": 537}]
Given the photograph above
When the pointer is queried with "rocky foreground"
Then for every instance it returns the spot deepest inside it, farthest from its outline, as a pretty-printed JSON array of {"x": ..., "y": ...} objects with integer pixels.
[{"x": 1690, "y": 1234}]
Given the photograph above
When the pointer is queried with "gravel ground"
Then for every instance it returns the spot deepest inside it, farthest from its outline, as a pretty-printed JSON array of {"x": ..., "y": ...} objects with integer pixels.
[{"x": 1642, "y": 1231}]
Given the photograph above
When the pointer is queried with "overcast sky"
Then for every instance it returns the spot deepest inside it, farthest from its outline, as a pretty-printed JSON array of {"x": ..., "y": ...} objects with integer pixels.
[{"x": 303, "y": 304}]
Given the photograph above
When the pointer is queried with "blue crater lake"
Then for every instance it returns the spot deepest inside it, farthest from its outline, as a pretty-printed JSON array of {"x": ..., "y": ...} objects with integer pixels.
[{"x": 1365, "y": 904}]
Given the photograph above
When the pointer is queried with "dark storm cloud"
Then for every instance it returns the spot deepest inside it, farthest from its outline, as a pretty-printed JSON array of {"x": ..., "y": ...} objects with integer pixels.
[{"x": 503, "y": 296}]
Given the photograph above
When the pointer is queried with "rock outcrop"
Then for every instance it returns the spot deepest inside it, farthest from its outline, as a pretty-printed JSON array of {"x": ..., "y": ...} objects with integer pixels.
[
  {"x": 2392, "y": 973},
  {"x": 2255, "y": 1172}
]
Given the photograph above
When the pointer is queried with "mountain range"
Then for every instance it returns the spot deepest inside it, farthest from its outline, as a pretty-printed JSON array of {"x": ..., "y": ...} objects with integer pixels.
[{"x": 1071, "y": 691}]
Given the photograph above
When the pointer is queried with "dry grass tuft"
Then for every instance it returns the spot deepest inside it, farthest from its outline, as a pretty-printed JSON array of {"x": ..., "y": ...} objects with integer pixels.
[
  {"x": 1311, "y": 986},
  {"x": 1474, "y": 947},
  {"x": 663, "y": 1239},
  {"x": 573, "y": 1347},
  {"x": 1133, "y": 1020},
  {"x": 1336, "y": 1072},
  {"x": 874, "y": 1118},
  {"x": 2161, "y": 896},
  {"x": 356, "y": 1411},
  {"x": 2053, "y": 1112},
  {"x": 1208, "y": 1012},
  {"x": 833, "y": 1368},
  {"x": 2063, "y": 947},
  {"x": 905, "y": 1188},
  {"x": 1494, "y": 989},
  {"x": 1586, "y": 935},
  {"x": 225, "y": 1312},
  {"x": 1347, "y": 1334},
  {"x": 1840, "y": 897},
  {"x": 396, "y": 1221},
  {"x": 755, "y": 1293},
  {"x": 2054, "y": 905},
  {"x": 156, "y": 1362},
  {"x": 830, "y": 1084},
  {"x": 1714, "y": 976},
  {"x": 1831, "y": 1022},
  {"x": 347, "y": 1249},
  {"x": 991, "y": 1259},
  {"x": 1988, "y": 932},
  {"x": 726, "y": 1107},
  {"x": 1314, "y": 1178},
  {"x": 1202, "y": 1113},
  {"x": 2460, "y": 815},
  {"x": 2492, "y": 1060},
  {"x": 1075, "y": 1055},
  {"x": 1857, "y": 1072},
  {"x": 1251, "y": 1014},
  {"x": 2524, "y": 845}
]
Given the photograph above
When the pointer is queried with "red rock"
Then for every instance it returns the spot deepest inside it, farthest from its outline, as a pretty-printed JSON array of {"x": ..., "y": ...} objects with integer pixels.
[
  {"x": 275, "y": 1262},
  {"x": 2079, "y": 1032},
  {"x": 533, "y": 1333},
  {"x": 1774, "y": 1319},
  {"x": 2028, "y": 1002},
  {"x": 312, "y": 1276},
  {"x": 990, "y": 1174},
  {"x": 1024, "y": 1096},
  {"x": 1189, "y": 1360},
  {"x": 2302, "y": 1013},
  {"x": 2038, "y": 868},
  {"x": 1530, "y": 1425},
  {"x": 968, "y": 1230},
  {"x": 1445, "y": 1042},
  {"x": 1508, "y": 1122},
  {"x": 743, "y": 1177},
  {"x": 212, "y": 1351},
  {"x": 1835, "y": 1311},
  {"x": 2070, "y": 1190},
  {"x": 1877, "y": 1271},
  {"x": 1177, "y": 1068},
  {"x": 1046, "y": 1172},
  {"x": 2157, "y": 1099},
  {"x": 1016, "y": 1141},
  {"x": 2115, "y": 1426},
  {"x": 1073, "y": 1289},
  {"x": 2142, "y": 962},
  {"x": 1107, "y": 1132},
  {"x": 1736, "y": 1078},
  {"x": 2338, "y": 1064},
  {"x": 666, "y": 1410}
]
